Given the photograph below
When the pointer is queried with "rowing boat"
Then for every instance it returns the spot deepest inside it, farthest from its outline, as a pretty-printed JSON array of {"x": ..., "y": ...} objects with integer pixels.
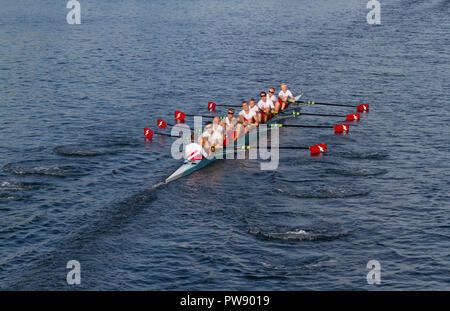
[{"x": 189, "y": 167}]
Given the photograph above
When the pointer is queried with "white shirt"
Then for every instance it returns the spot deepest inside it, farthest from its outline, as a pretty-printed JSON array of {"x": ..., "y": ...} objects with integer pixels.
[
  {"x": 233, "y": 121},
  {"x": 194, "y": 152},
  {"x": 288, "y": 94},
  {"x": 255, "y": 109},
  {"x": 273, "y": 99},
  {"x": 217, "y": 138},
  {"x": 266, "y": 105},
  {"x": 208, "y": 135},
  {"x": 217, "y": 128},
  {"x": 248, "y": 116}
]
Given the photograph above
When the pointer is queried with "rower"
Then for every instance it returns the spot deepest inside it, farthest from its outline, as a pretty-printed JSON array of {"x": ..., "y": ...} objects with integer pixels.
[
  {"x": 193, "y": 151},
  {"x": 208, "y": 139},
  {"x": 274, "y": 99},
  {"x": 284, "y": 95},
  {"x": 229, "y": 123},
  {"x": 246, "y": 121},
  {"x": 266, "y": 106},
  {"x": 255, "y": 109},
  {"x": 218, "y": 132}
]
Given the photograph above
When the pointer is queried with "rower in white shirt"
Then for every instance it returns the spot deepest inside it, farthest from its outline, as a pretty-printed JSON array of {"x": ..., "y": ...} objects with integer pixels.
[
  {"x": 274, "y": 99},
  {"x": 194, "y": 151},
  {"x": 247, "y": 120},
  {"x": 255, "y": 109},
  {"x": 218, "y": 132},
  {"x": 207, "y": 138},
  {"x": 285, "y": 95},
  {"x": 229, "y": 123},
  {"x": 266, "y": 106}
]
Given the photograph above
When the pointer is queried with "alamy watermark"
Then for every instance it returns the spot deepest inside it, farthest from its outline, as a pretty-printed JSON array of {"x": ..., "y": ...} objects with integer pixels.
[
  {"x": 74, "y": 275},
  {"x": 74, "y": 15},
  {"x": 374, "y": 16},
  {"x": 374, "y": 275}
]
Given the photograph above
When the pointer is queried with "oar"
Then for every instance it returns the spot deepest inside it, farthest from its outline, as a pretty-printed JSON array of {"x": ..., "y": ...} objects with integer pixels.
[
  {"x": 162, "y": 124},
  {"x": 158, "y": 133},
  {"x": 212, "y": 106},
  {"x": 179, "y": 115},
  {"x": 320, "y": 148},
  {"x": 359, "y": 108},
  {"x": 339, "y": 128},
  {"x": 349, "y": 117},
  {"x": 148, "y": 133}
]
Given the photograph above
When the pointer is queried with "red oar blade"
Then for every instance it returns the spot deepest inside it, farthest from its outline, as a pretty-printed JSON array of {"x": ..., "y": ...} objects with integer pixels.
[
  {"x": 340, "y": 128},
  {"x": 353, "y": 117},
  {"x": 362, "y": 108},
  {"x": 179, "y": 115},
  {"x": 148, "y": 133},
  {"x": 162, "y": 124},
  {"x": 211, "y": 106},
  {"x": 320, "y": 148}
]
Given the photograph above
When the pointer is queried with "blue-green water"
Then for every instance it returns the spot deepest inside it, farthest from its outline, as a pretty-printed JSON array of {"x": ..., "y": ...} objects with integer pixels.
[{"x": 76, "y": 173}]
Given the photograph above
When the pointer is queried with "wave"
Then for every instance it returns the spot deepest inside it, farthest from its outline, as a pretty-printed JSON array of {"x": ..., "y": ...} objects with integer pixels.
[
  {"x": 357, "y": 171},
  {"x": 43, "y": 167},
  {"x": 82, "y": 151},
  {"x": 11, "y": 186},
  {"x": 7, "y": 197},
  {"x": 363, "y": 156},
  {"x": 299, "y": 235},
  {"x": 325, "y": 193}
]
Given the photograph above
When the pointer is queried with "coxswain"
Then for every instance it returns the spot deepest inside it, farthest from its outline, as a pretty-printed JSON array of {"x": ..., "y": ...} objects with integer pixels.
[{"x": 194, "y": 151}]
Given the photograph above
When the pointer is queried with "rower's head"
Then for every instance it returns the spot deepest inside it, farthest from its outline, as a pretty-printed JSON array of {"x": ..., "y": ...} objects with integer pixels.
[
  {"x": 209, "y": 126},
  {"x": 230, "y": 113},
  {"x": 271, "y": 91},
  {"x": 245, "y": 106},
  {"x": 263, "y": 96},
  {"x": 252, "y": 102},
  {"x": 284, "y": 87},
  {"x": 216, "y": 120}
]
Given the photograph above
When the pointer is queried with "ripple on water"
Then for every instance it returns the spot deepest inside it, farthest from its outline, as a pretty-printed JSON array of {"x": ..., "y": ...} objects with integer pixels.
[
  {"x": 324, "y": 192},
  {"x": 363, "y": 156},
  {"x": 54, "y": 168},
  {"x": 357, "y": 171},
  {"x": 7, "y": 197},
  {"x": 83, "y": 150},
  {"x": 296, "y": 234},
  {"x": 21, "y": 186}
]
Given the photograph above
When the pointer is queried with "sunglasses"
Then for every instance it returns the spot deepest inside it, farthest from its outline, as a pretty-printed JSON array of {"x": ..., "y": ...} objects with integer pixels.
[{"x": 262, "y": 95}]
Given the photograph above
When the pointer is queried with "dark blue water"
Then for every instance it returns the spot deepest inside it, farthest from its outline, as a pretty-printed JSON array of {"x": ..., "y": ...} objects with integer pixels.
[{"x": 77, "y": 177}]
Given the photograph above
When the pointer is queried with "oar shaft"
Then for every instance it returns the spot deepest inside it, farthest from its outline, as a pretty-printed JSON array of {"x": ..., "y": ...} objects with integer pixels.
[
  {"x": 329, "y": 104},
  {"x": 157, "y": 133},
  {"x": 321, "y": 115},
  {"x": 196, "y": 115},
  {"x": 247, "y": 147},
  {"x": 306, "y": 126},
  {"x": 235, "y": 106}
]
